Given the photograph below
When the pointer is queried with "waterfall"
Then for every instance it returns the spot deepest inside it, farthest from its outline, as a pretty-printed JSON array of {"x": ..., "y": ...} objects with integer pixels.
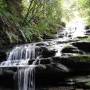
[
  {"x": 26, "y": 78},
  {"x": 20, "y": 55},
  {"x": 22, "y": 52}
]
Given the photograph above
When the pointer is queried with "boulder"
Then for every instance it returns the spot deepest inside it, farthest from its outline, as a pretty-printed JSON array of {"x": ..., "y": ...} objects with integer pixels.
[
  {"x": 42, "y": 44},
  {"x": 50, "y": 74},
  {"x": 45, "y": 52},
  {"x": 43, "y": 61},
  {"x": 83, "y": 46},
  {"x": 87, "y": 32},
  {"x": 7, "y": 77},
  {"x": 53, "y": 71},
  {"x": 71, "y": 49},
  {"x": 87, "y": 27},
  {"x": 76, "y": 66},
  {"x": 57, "y": 70},
  {"x": 3, "y": 56}
]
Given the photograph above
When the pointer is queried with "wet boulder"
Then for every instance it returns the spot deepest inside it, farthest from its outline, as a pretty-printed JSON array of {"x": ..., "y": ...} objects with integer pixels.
[
  {"x": 74, "y": 64},
  {"x": 87, "y": 32},
  {"x": 87, "y": 27},
  {"x": 46, "y": 52},
  {"x": 49, "y": 73},
  {"x": 83, "y": 37},
  {"x": 43, "y": 61},
  {"x": 42, "y": 44},
  {"x": 71, "y": 49},
  {"x": 84, "y": 46},
  {"x": 3, "y": 56},
  {"x": 7, "y": 77}
]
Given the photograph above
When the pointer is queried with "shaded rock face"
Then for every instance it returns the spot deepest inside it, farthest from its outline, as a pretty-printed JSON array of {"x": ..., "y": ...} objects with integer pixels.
[
  {"x": 87, "y": 32},
  {"x": 87, "y": 27},
  {"x": 3, "y": 56},
  {"x": 8, "y": 78},
  {"x": 71, "y": 49},
  {"x": 47, "y": 53},
  {"x": 50, "y": 62},
  {"x": 42, "y": 50},
  {"x": 51, "y": 71},
  {"x": 84, "y": 46},
  {"x": 76, "y": 67}
]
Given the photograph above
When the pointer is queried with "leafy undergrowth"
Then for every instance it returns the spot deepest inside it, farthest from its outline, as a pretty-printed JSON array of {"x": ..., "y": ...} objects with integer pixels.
[{"x": 33, "y": 21}]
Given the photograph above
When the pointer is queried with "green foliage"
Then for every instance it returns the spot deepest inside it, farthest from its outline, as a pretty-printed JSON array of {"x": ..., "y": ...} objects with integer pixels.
[
  {"x": 2, "y": 7},
  {"x": 84, "y": 9},
  {"x": 35, "y": 18},
  {"x": 42, "y": 17},
  {"x": 9, "y": 22},
  {"x": 69, "y": 9}
]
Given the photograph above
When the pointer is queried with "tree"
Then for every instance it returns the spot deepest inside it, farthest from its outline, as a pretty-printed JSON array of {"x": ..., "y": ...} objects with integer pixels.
[{"x": 84, "y": 9}]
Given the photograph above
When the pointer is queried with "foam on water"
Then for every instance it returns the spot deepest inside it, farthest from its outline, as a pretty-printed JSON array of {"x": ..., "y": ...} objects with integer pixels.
[
  {"x": 26, "y": 78},
  {"x": 20, "y": 55}
]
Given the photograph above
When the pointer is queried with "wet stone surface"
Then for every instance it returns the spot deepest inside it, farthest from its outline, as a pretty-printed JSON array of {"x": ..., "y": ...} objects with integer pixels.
[{"x": 52, "y": 67}]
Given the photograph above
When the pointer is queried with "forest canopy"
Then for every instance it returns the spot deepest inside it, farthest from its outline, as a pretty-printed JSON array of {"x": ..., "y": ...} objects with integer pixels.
[{"x": 35, "y": 20}]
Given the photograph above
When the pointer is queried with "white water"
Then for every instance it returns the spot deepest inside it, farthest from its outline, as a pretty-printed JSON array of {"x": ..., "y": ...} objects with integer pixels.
[
  {"x": 20, "y": 55},
  {"x": 76, "y": 27},
  {"x": 26, "y": 78},
  {"x": 19, "y": 58}
]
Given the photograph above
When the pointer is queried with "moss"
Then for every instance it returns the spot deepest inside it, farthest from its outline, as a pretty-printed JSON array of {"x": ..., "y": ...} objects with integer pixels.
[
  {"x": 86, "y": 38},
  {"x": 82, "y": 58},
  {"x": 83, "y": 38}
]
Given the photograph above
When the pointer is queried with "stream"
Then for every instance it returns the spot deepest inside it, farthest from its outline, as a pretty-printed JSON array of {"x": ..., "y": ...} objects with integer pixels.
[{"x": 45, "y": 66}]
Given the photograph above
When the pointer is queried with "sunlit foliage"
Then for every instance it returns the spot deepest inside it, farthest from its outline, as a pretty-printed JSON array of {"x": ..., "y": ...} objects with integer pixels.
[
  {"x": 84, "y": 9},
  {"x": 69, "y": 10},
  {"x": 36, "y": 18},
  {"x": 39, "y": 18},
  {"x": 42, "y": 17}
]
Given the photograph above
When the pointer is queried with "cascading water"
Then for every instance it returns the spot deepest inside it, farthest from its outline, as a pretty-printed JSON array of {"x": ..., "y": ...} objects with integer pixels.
[
  {"x": 19, "y": 58},
  {"x": 26, "y": 78},
  {"x": 20, "y": 55}
]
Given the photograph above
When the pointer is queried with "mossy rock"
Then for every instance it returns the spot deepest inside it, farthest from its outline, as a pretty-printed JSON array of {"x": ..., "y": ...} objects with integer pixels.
[{"x": 81, "y": 58}]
